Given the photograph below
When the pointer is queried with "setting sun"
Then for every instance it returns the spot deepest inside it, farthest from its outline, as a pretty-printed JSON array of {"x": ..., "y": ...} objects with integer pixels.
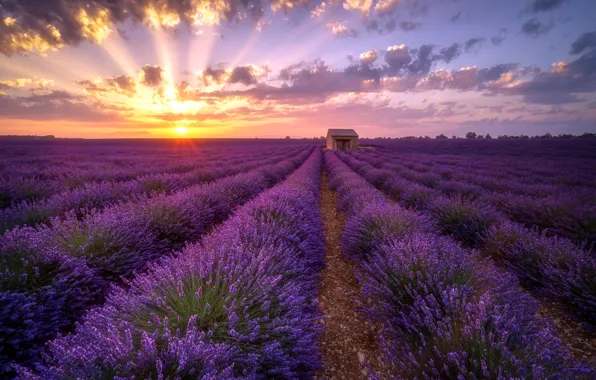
[{"x": 181, "y": 130}]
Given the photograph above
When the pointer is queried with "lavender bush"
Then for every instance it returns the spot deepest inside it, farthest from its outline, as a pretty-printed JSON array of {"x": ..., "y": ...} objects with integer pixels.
[
  {"x": 556, "y": 265},
  {"x": 443, "y": 311},
  {"x": 240, "y": 305},
  {"x": 96, "y": 196},
  {"x": 124, "y": 239},
  {"x": 42, "y": 293},
  {"x": 446, "y": 314}
]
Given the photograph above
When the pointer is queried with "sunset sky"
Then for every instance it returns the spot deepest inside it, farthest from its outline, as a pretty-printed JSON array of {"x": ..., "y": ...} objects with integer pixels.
[{"x": 222, "y": 68}]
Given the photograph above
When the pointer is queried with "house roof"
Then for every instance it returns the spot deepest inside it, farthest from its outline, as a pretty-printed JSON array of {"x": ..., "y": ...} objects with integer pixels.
[{"x": 342, "y": 133}]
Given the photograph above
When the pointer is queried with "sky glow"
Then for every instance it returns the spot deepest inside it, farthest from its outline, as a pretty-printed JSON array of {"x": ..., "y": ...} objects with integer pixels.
[{"x": 166, "y": 68}]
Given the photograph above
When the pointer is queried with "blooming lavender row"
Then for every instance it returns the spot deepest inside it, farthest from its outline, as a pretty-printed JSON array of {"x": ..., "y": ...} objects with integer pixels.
[
  {"x": 83, "y": 199},
  {"x": 431, "y": 170},
  {"x": 238, "y": 305},
  {"x": 65, "y": 176},
  {"x": 442, "y": 311},
  {"x": 536, "y": 154},
  {"x": 108, "y": 163},
  {"x": 37, "y": 298},
  {"x": 569, "y": 214},
  {"x": 527, "y": 171},
  {"x": 562, "y": 269}
]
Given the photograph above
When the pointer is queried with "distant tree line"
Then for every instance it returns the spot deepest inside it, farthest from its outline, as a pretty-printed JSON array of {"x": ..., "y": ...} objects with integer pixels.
[
  {"x": 474, "y": 136},
  {"x": 27, "y": 137}
]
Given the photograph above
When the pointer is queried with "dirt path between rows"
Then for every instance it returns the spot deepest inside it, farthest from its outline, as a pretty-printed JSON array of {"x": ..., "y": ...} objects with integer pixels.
[{"x": 346, "y": 343}]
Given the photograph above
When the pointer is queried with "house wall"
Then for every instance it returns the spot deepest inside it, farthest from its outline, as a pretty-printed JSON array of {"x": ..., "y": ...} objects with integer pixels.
[
  {"x": 329, "y": 142},
  {"x": 353, "y": 142}
]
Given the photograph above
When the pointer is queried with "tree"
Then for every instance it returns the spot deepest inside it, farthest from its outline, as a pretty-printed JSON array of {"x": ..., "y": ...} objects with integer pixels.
[
  {"x": 480, "y": 137},
  {"x": 488, "y": 137},
  {"x": 471, "y": 135},
  {"x": 454, "y": 137},
  {"x": 441, "y": 136}
]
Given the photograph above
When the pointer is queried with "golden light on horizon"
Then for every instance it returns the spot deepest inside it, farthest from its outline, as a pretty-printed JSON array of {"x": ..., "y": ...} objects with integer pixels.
[{"x": 181, "y": 130}]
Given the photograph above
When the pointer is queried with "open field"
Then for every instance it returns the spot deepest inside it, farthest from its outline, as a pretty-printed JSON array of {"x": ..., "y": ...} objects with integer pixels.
[{"x": 190, "y": 259}]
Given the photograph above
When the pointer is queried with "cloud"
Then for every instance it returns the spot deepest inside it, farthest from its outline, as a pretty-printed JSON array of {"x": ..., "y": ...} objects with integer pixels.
[
  {"x": 409, "y": 26},
  {"x": 318, "y": 10},
  {"x": 44, "y": 25},
  {"x": 247, "y": 75},
  {"x": 424, "y": 60},
  {"x": 26, "y": 83},
  {"x": 340, "y": 29},
  {"x": 369, "y": 57},
  {"x": 397, "y": 57},
  {"x": 455, "y": 17},
  {"x": 535, "y": 28},
  {"x": 564, "y": 82},
  {"x": 123, "y": 84},
  {"x": 152, "y": 75},
  {"x": 474, "y": 43},
  {"x": 384, "y": 7},
  {"x": 57, "y": 105},
  {"x": 499, "y": 38},
  {"x": 545, "y": 5},
  {"x": 586, "y": 41},
  {"x": 450, "y": 53}
]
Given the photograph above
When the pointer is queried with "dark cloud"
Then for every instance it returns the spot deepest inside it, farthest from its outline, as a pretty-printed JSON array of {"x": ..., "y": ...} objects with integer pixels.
[
  {"x": 54, "y": 95},
  {"x": 450, "y": 53},
  {"x": 391, "y": 25},
  {"x": 124, "y": 83},
  {"x": 560, "y": 85},
  {"x": 545, "y": 5},
  {"x": 397, "y": 57},
  {"x": 498, "y": 39},
  {"x": 152, "y": 75},
  {"x": 472, "y": 78},
  {"x": 242, "y": 75},
  {"x": 312, "y": 76},
  {"x": 535, "y": 28},
  {"x": 211, "y": 75},
  {"x": 586, "y": 41},
  {"x": 424, "y": 60},
  {"x": 495, "y": 72},
  {"x": 373, "y": 25},
  {"x": 474, "y": 43},
  {"x": 45, "y": 24},
  {"x": 246, "y": 75},
  {"x": 409, "y": 26},
  {"x": 364, "y": 71},
  {"x": 455, "y": 17}
]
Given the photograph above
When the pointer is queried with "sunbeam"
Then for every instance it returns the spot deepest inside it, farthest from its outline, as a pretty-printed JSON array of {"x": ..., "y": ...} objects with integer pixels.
[{"x": 114, "y": 45}]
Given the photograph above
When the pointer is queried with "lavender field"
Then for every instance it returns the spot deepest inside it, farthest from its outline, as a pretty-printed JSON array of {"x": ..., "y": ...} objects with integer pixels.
[{"x": 217, "y": 259}]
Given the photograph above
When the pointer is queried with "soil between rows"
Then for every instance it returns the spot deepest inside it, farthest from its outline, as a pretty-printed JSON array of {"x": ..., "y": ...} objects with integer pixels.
[{"x": 348, "y": 341}]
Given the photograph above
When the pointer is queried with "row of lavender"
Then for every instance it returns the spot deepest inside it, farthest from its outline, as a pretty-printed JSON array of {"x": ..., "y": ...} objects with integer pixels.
[
  {"x": 51, "y": 275},
  {"x": 503, "y": 171},
  {"x": 566, "y": 211},
  {"x": 98, "y": 195},
  {"x": 442, "y": 311},
  {"x": 62, "y": 174},
  {"x": 554, "y": 265},
  {"x": 570, "y": 150},
  {"x": 116, "y": 160},
  {"x": 242, "y": 304}
]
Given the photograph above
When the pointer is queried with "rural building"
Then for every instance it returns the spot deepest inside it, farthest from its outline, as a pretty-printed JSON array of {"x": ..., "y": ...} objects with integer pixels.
[{"x": 342, "y": 139}]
